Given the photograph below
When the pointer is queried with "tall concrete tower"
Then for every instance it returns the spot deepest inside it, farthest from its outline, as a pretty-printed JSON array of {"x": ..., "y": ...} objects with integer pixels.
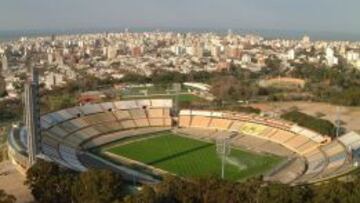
[{"x": 32, "y": 115}]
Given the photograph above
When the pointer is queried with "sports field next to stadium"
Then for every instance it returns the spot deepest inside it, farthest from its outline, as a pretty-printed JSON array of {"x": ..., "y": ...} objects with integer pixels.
[{"x": 193, "y": 158}]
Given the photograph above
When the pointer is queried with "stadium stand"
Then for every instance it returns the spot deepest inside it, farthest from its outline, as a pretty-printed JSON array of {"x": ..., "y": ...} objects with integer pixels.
[
  {"x": 256, "y": 133},
  {"x": 200, "y": 122},
  {"x": 137, "y": 113},
  {"x": 290, "y": 172},
  {"x": 66, "y": 133},
  {"x": 121, "y": 115},
  {"x": 351, "y": 140},
  {"x": 220, "y": 124},
  {"x": 115, "y": 136},
  {"x": 90, "y": 109},
  {"x": 156, "y": 113},
  {"x": 142, "y": 122}
]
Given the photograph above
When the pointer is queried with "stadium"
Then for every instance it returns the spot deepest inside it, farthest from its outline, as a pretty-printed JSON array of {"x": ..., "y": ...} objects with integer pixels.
[{"x": 146, "y": 139}]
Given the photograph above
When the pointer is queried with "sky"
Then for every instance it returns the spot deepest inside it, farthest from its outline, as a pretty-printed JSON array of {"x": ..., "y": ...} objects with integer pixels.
[{"x": 300, "y": 15}]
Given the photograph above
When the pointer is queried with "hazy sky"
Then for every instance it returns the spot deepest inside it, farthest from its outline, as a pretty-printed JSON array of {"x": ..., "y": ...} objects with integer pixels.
[{"x": 312, "y": 15}]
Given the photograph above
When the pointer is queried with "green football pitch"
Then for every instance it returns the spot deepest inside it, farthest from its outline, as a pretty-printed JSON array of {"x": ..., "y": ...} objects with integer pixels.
[{"x": 193, "y": 158}]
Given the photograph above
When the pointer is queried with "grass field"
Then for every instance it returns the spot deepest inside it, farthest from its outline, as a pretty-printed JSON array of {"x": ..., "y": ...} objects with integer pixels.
[{"x": 193, "y": 158}]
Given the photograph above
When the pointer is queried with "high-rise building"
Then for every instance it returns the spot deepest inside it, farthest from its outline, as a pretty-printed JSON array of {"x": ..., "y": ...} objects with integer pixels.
[
  {"x": 330, "y": 58},
  {"x": 306, "y": 39},
  {"x": 291, "y": 54},
  {"x": 32, "y": 116},
  {"x": 4, "y": 62}
]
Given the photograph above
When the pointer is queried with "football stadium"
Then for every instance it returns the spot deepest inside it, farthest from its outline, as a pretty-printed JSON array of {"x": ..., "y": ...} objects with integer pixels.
[{"x": 146, "y": 139}]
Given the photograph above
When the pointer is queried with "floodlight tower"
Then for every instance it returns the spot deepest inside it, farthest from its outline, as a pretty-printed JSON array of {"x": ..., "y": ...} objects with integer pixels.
[
  {"x": 338, "y": 121},
  {"x": 177, "y": 89},
  {"x": 32, "y": 115},
  {"x": 223, "y": 149}
]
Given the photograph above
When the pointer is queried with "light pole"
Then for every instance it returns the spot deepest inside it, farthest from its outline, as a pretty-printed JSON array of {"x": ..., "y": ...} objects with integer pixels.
[{"x": 223, "y": 149}]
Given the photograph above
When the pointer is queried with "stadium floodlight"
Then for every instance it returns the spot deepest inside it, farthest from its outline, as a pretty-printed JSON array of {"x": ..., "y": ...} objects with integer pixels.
[
  {"x": 223, "y": 149},
  {"x": 338, "y": 121},
  {"x": 176, "y": 89}
]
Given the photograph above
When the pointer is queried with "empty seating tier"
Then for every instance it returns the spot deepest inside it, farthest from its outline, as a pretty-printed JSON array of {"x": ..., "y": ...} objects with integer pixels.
[{"x": 66, "y": 131}]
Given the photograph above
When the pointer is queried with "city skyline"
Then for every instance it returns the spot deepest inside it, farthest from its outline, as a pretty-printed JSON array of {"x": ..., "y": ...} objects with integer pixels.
[{"x": 320, "y": 16}]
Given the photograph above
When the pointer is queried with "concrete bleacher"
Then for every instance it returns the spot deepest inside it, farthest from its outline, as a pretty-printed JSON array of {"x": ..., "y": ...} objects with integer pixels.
[
  {"x": 200, "y": 122},
  {"x": 90, "y": 109},
  {"x": 351, "y": 140},
  {"x": 290, "y": 172},
  {"x": 219, "y": 123},
  {"x": 137, "y": 113},
  {"x": 206, "y": 134},
  {"x": 236, "y": 126},
  {"x": 156, "y": 121},
  {"x": 123, "y": 114},
  {"x": 256, "y": 133},
  {"x": 58, "y": 131},
  {"x": 316, "y": 160},
  {"x": 252, "y": 129},
  {"x": 66, "y": 130},
  {"x": 121, "y": 105},
  {"x": 156, "y": 113},
  {"x": 68, "y": 154},
  {"x": 75, "y": 124},
  {"x": 248, "y": 142},
  {"x": 282, "y": 136},
  {"x": 111, "y": 137},
  {"x": 316, "y": 137},
  {"x": 107, "y": 106},
  {"x": 184, "y": 121},
  {"x": 142, "y": 122},
  {"x": 99, "y": 117}
]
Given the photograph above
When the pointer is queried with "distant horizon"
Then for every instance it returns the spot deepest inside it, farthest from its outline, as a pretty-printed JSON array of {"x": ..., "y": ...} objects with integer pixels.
[
  {"x": 323, "y": 19},
  {"x": 13, "y": 34}
]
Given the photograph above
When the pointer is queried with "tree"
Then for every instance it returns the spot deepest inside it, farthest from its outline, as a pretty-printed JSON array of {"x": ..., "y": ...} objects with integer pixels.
[
  {"x": 229, "y": 88},
  {"x": 147, "y": 195},
  {"x": 2, "y": 86},
  {"x": 322, "y": 126},
  {"x": 98, "y": 186},
  {"x": 5, "y": 198},
  {"x": 50, "y": 183}
]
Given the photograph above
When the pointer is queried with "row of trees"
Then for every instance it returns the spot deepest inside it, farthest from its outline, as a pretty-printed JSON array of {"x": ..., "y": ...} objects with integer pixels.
[
  {"x": 213, "y": 190},
  {"x": 338, "y": 85},
  {"x": 49, "y": 183},
  {"x": 322, "y": 126}
]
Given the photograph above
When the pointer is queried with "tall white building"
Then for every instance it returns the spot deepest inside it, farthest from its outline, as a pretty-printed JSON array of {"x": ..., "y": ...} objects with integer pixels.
[
  {"x": 53, "y": 79},
  {"x": 330, "y": 58},
  {"x": 246, "y": 58},
  {"x": 291, "y": 54},
  {"x": 4, "y": 62}
]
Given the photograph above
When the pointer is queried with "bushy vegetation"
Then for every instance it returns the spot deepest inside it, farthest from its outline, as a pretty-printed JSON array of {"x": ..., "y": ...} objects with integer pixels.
[
  {"x": 49, "y": 183},
  {"x": 6, "y": 198},
  {"x": 322, "y": 126},
  {"x": 338, "y": 85},
  {"x": 212, "y": 190},
  {"x": 10, "y": 110}
]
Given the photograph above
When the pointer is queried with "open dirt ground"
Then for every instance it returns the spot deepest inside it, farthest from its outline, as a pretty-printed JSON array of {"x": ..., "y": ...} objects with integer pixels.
[
  {"x": 13, "y": 182},
  {"x": 349, "y": 115}
]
